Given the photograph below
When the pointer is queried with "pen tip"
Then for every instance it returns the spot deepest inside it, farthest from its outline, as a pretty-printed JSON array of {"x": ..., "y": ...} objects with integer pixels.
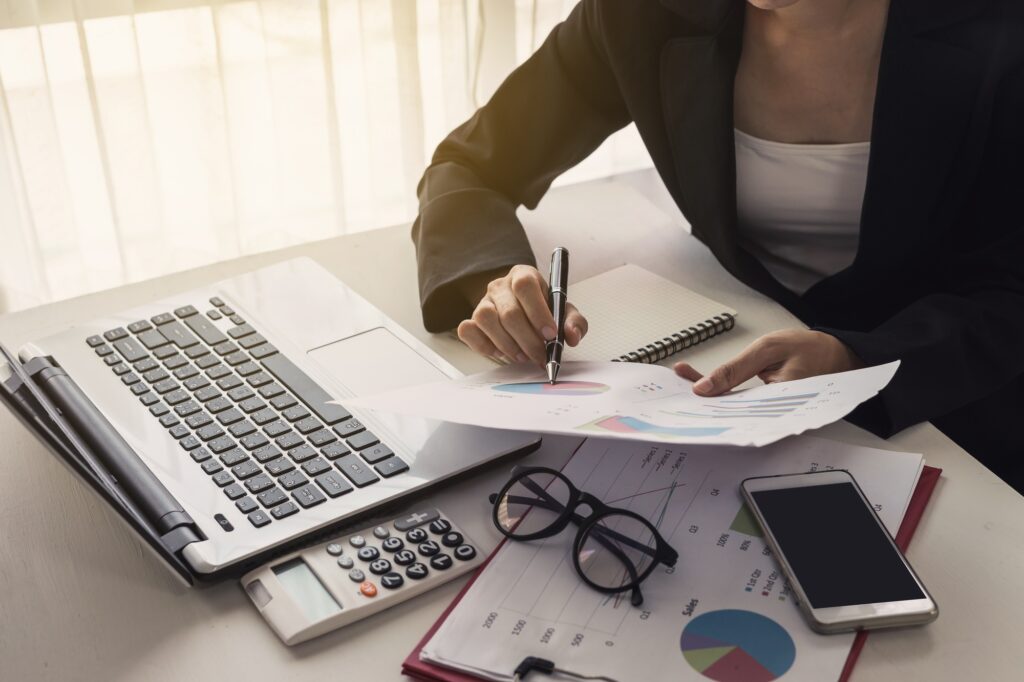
[{"x": 552, "y": 369}]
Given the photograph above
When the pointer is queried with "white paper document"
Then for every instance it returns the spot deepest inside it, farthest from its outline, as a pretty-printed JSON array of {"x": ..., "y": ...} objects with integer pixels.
[
  {"x": 634, "y": 402},
  {"x": 724, "y": 612}
]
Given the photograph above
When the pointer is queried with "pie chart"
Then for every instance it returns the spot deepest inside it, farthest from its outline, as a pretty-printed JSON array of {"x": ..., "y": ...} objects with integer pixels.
[
  {"x": 561, "y": 388},
  {"x": 732, "y": 645}
]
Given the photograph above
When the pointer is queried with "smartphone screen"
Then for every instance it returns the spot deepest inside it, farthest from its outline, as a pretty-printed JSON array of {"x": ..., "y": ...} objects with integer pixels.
[{"x": 836, "y": 549}]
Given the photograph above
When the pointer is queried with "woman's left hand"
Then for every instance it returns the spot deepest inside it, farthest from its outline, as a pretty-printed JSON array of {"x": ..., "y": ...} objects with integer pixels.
[{"x": 780, "y": 356}]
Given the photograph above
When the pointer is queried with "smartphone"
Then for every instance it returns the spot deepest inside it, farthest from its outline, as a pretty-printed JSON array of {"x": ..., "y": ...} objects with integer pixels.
[{"x": 841, "y": 562}]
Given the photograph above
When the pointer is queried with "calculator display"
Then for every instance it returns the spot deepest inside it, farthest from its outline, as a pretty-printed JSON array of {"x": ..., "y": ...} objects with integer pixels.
[{"x": 305, "y": 588}]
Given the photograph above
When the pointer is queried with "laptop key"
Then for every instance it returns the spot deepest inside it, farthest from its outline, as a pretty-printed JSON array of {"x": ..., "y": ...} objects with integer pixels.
[
  {"x": 210, "y": 431},
  {"x": 356, "y": 471},
  {"x": 159, "y": 410},
  {"x": 251, "y": 405},
  {"x": 223, "y": 478},
  {"x": 304, "y": 388},
  {"x": 241, "y": 393},
  {"x": 149, "y": 399},
  {"x": 173, "y": 361},
  {"x": 288, "y": 441},
  {"x": 302, "y": 453},
  {"x": 240, "y": 331},
  {"x": 242, "y": 428},
  {"x": 246, "y": 470},
  {"x": 176, "y": 333},
  {"x": 247, "y": 369},
  {"x": 349, "y": 427},
  {"x": 218, "y": 405},
  {"x": 115, "y": 334},
  {"x": 271, "y": 497},
  {"x": 229, "y": 382},
  {"x": 225, "y": 348},
  {"x": 334, "y": 450},
  {"x": 281, "y": 465},
  {"x": 196, "y": 351},
  {"x": 199, "y": 420},
  {"x": 197, "y": 382},
  {"x": 363, "y": 440},
  {"x": 185, "y": 311},
  {"x": 190, "y": 443},
  {"x": 228, "y": 417},
  {"x": 237, "y": 319},
  {"x": 234, "y": 491},
  {"x": 282, "y": 402},
  {"x": 295, "y": 413},
  {"x": 187, "y": 409},
  {"x": 169, "y": 420},
  {"x": 165, "y": 386},
  {"x": 153, "y": 339},
  {"x": 206, "y": 394},
  {"x": 376, "y": 453},
  {"x": 246, "y": 505},
  {"x": 164, "y": 352},
  {"x": 258, "y": 518},
  {"x": 251, "y": 342},
  {"x": 333, "y": 484},
  {"x": 200, "y": 454},
  {"x": 139, "y": 327},
  {"x": 146, "y": 364},
  {"x": 391, "y": 467},
  {"x": 254, "y": 440},
  {"x": 271, "y": 390},
  {"x": 286, "y": 509},
  {"x": 236, "y": 359},
  {"x": 259, "y": 379},
  {"x": 112, "y": 360},
  {"x": 130, "y": 349},
  {"x": 259, "y": 483},
  {"x": 218, "y": 372},
  {"x": 266, "y": 453},
  {"x": 321, "y": 438},
  {"x": 176, "y": 397},
  {"x": 162, "y": 318},
  {"x": 264, "y": 416},
  {"x": 292, "y": 480},
  {"x": 155, "y": 375},
  {"x": 94, "y": 341},
  {"x": 214, "y": 314},
  {"x": 207, "y": 361},
  {"x": 104, "y": 350},
  {"x": 307, "y": 425},
  {"x": 315, "y": 467},
  {"x": 221, "y": 444},
  {"x": 212, "y": 466},
  {"x": 264, "y": 351},
  {"x": 205, "y": 330},
  {"x": 308, "y": 496},
  {"x": 185, "y": 372},
  {"x": 216, "y": 301},
  {"x": 233, "y": 457},
  {"x": 140, "y": 388}
]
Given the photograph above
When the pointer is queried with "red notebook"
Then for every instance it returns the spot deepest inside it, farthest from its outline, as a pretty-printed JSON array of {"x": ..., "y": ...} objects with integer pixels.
[{"x": 420, "y": 670}]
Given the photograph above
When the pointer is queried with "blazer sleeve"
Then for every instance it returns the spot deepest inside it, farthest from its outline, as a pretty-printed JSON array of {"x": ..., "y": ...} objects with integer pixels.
[{"x": 546, "y": 117}]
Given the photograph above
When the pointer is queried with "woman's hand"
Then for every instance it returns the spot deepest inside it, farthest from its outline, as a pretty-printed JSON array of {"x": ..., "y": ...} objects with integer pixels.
[
  {"x": 512, "y": 320},
  {"x": 780, "y": 356}
]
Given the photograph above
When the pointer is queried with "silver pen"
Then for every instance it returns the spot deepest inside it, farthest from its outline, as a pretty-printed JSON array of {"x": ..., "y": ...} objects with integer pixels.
[{"x": 558, "y": 292}]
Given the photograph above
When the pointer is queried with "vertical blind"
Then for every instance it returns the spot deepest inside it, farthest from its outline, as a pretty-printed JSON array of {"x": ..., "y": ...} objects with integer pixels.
[{"x": 140, "y": 137}]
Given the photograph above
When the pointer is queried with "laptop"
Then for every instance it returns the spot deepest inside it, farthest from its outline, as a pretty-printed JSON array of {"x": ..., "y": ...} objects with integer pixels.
[{"x": 214, "y": 421}]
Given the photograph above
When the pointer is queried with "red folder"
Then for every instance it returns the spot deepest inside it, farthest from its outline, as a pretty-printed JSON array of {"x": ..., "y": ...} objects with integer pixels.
[{"x": 421, "y": 670}]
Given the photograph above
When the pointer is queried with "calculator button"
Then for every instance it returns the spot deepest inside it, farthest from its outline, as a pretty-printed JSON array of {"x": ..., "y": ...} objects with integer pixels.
[
  {"x": 368, "y": 589},
  {"x": 416, "y": 535},
  {"x": 356, "y": 575},
  {"x": 452, "y": 539},
  {"x": 259, "y": 519},
  {"x": 465, "y": 552},
  {"x": 416, "y": 519},
  {"x": 334, "y": 549},
  {"x": 345, "y": 561},
  {"x": 392, "y": 545},
  {"x": 392, "y": 581},
  {"x": 357, "y": 541},
  {"x": 440, "y": 527},
  {"x": 380, "y": 567},
  {"x": 441, "y": 562},
  {"x": 404, "y": 557},
  {"x": 368, "y": 554},
  {"x": 417, "y": 571},
  {"x": 429, "y": 548},
  {"x": 380, "y": 532}
]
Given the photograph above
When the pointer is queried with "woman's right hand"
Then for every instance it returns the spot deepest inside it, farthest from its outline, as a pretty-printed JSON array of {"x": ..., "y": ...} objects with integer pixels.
[{"x": 512, "y": 320}]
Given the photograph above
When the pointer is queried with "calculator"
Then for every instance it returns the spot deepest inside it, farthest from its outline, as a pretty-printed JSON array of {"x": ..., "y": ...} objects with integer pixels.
[{"x": 327, "y": 586}]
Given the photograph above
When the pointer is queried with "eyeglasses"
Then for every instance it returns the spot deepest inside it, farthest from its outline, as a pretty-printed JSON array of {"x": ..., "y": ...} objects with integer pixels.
[{"x": 614, "y": 550}]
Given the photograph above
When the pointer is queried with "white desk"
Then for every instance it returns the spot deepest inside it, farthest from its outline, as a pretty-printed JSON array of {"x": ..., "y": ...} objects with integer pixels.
[{"x": 80, "y": 599}]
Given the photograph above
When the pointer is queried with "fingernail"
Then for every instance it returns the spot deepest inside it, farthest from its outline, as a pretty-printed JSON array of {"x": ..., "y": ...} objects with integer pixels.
[
  {"x": 704, "y": 384},
  {"x": 548, "y": 333},
  {"x": 577, "y": 332},
  {"x": 521, "y": 358}
]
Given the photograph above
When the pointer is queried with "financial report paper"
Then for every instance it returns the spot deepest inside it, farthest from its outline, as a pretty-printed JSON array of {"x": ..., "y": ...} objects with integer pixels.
[
  {"x": 635, "y": 402},
  {"x": 723, "y": 613}
]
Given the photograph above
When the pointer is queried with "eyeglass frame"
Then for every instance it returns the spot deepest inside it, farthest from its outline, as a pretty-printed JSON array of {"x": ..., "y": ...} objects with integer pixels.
[{"x": 663, "y": 552}]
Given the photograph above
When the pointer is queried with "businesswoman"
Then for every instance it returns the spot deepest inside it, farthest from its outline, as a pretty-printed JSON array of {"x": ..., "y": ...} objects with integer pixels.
[{"x": 859, "y": 161}]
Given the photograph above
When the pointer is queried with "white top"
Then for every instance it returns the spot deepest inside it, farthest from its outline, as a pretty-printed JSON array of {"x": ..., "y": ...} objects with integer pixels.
[{"x": 799, "y": 206}]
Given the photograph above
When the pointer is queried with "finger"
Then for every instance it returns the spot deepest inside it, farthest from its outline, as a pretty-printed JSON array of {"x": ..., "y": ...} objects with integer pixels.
[
  {"x": 531, "y": 291},
  {"x": 471, "y": 335},
  {"x": 686, "y": 371},
  {"x": 513, "y": 319},
  {"x": 576, "y": 326},
  {"x": 486, "y": 318},
  {"x": 755, "y": 358}
]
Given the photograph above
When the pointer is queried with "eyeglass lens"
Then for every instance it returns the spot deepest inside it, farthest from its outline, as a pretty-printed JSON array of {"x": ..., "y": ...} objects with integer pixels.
[
  {"x": 544, "y": 496},
  {"x": 616, "y": 551}
]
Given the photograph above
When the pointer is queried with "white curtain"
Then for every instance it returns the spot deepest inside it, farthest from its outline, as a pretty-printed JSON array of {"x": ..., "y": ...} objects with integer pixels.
[{"x": 140, "y": 137}]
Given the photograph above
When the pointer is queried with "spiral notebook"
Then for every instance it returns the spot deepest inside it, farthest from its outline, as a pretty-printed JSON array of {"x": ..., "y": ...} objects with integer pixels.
[{"x": 637, "y": 316}]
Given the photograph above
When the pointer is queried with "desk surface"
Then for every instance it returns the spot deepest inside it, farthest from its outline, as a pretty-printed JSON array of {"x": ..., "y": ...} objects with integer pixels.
[{"x": 83, "y": 600}]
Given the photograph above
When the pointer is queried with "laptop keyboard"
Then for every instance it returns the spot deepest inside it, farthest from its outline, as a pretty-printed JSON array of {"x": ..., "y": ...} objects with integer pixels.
[{"x": 257, "y": 425}]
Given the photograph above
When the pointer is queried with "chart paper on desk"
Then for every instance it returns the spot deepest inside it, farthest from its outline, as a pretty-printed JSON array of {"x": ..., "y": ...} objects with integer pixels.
[
  {"x": 723, "y": 613},
  {"x": 635, "y": 402}
]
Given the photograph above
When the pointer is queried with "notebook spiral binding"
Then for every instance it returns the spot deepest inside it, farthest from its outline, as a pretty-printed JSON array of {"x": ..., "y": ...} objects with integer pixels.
[{"x": 686, "y": 338}]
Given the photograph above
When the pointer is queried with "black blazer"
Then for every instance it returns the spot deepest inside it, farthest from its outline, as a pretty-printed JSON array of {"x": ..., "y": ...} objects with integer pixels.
[{"x": 938, "y": 280}]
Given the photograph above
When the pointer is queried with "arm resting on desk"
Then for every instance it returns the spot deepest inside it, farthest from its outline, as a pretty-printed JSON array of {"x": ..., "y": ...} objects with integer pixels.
[{"x": 547, "y": 116}]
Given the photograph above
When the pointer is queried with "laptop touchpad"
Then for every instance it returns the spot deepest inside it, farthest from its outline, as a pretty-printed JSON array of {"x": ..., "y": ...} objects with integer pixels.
[{"x": 375, "y": 361}]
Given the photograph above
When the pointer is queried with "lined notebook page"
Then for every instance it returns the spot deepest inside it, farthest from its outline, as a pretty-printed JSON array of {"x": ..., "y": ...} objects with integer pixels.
[{"x": 629, "y": 307}]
